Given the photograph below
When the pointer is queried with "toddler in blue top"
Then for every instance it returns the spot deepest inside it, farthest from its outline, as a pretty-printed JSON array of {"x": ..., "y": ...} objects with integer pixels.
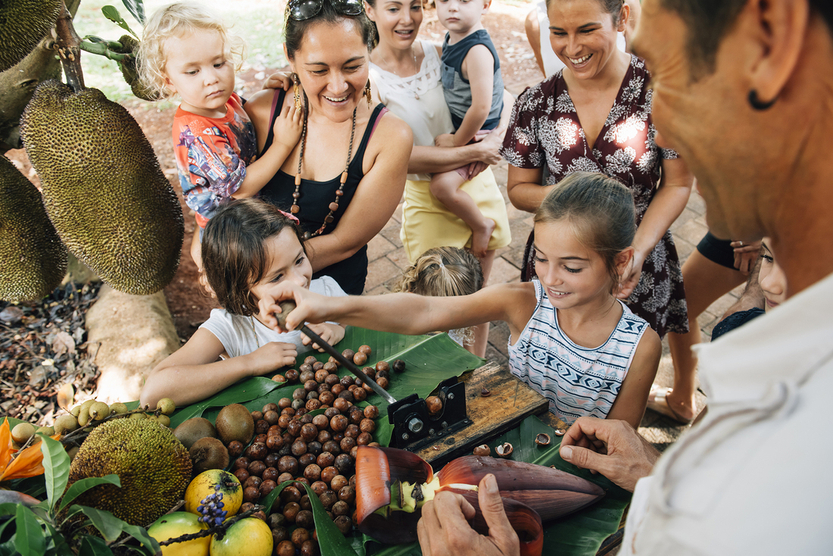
[{"x": 473, "y": 90}]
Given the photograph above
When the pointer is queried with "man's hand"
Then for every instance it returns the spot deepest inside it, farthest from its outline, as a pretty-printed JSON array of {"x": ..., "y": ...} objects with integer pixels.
[
  {"x": 745, "y": 254},
  {"x": 444, "y": 529},
  {"x": 612, "y": 448}
]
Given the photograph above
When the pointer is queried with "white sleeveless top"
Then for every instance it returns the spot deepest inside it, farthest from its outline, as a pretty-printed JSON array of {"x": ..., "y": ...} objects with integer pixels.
[
  {"x": 577, "y": 381},
  {"x": 417, "y": 99}
]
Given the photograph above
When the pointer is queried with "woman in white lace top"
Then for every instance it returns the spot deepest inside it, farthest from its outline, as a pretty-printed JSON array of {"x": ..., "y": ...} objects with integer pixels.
[{"x": 405, "y": 74}]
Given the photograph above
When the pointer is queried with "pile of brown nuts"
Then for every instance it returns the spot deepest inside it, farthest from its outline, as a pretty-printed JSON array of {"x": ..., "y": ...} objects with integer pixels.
[{"x": 318, "y": 450}]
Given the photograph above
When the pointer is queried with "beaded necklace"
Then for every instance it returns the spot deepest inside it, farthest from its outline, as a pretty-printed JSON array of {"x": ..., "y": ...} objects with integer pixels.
[{"x": 295, "y": 209}]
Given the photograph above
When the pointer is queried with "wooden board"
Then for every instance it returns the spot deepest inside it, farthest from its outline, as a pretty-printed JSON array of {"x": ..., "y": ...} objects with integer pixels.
[{"x": 509, "y": 402}]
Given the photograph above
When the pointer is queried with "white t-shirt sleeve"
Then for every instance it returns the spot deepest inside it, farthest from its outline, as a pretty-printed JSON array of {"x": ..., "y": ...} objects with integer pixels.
[
  {"x": 326, "y": 286},
  {"x": 231, "y": 330}
]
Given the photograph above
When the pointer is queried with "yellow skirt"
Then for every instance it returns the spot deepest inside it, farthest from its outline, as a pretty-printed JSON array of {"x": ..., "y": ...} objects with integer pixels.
[{"x": 427, "y": 223}]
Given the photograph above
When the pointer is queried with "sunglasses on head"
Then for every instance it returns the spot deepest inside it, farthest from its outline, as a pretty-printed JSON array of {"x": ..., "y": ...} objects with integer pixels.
[{"x": 300, "y": 10}]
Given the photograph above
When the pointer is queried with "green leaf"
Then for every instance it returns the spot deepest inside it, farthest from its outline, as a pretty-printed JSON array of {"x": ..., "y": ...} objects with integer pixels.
[
  {"x": 29, "y": 538},
  {"x": 330, "y": 539},
  {"x": 94, "y": 546},
  {"x": 7, "y": 548},
  {"x": 33, "y": 486},
  {"x": 241, "y": 392},
  {"x": 429, "y": 360},
  {"x": 136, "y": 8},
  {"x": 272, "y": 496},
  {"x": 55, "y": 469},
  {"x": 149, "y": 545},
  {"x": 111, "y": 13},
  {"x": 107, "y": 524},
  {"x": 8, "y": 509},
  {"x": 58, "y": 543},
  {"x": 581, "y": 533},
  {"x": 82, "y": 486}
]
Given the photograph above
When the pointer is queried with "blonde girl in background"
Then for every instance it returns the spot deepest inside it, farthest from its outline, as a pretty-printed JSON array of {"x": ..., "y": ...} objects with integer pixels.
[{"x": 443, "y": 272}]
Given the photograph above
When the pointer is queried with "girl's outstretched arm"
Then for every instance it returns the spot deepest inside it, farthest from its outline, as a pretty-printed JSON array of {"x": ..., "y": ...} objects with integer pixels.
[
  {"x": 404, "y": 313},
  {"x": 633, "y": 396},
  {"x": 193, "y": 372}
]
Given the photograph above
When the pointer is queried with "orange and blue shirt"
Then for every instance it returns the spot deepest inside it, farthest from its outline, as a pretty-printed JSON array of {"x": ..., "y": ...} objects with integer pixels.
[{"x": 212, "y": 155}]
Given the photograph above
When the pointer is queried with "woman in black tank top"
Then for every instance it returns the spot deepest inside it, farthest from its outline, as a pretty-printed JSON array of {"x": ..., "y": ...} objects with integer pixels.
[{"x": 329, "y": 53}]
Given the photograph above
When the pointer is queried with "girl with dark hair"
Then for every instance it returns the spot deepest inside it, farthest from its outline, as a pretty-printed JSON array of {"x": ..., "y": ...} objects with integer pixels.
[
  {"x": 571, "y": 339},
  {"x": 247, "y": 247},
  {"x": 346, "y": 175},
  {"x": 594, "y": 115}
]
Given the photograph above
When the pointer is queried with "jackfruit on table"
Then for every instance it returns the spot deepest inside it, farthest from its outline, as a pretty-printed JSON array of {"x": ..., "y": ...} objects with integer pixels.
[
  {"x": 153, "y": 466},
  {"x": 34, "y": 260},
  {"x": 23, "y": 23},
  {"x": 102, "y": 187}
]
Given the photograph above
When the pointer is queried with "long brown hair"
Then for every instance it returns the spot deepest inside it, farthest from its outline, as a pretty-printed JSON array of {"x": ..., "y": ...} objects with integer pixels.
[{"x": 233, "y": 250}]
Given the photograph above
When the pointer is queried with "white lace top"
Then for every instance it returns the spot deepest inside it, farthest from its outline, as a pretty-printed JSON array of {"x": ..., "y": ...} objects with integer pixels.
[{"x": 417, "y": 99}]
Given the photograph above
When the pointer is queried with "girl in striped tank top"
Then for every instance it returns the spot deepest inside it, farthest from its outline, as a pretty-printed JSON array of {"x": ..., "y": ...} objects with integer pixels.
[{"x": 571, "y": 339}]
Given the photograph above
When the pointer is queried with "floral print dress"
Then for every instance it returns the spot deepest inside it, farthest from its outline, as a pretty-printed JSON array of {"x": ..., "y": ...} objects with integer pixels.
[{"x": 545, "y": 130}]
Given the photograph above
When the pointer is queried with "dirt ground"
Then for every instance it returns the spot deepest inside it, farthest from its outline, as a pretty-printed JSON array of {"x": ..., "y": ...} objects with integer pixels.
[{"x": 188, "y": 304}]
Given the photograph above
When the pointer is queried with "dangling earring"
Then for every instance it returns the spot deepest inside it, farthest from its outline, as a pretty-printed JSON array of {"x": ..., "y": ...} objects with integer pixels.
[
  {"x": 296, "y": 91},
  {"x": 368, "y": 94},
  {"x": 757, "y": 103}
]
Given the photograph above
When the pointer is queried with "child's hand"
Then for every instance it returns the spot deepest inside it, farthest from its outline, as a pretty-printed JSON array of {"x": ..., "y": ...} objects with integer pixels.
[
  {"x": 270, "y": 357},
  {"x": 288, "y": 126},
  {"x": 330, "y": 333},
  {"x": 279, "y": 80},
  {"x": 311, "y": 306},
  {"x": 444, "y": 140}
]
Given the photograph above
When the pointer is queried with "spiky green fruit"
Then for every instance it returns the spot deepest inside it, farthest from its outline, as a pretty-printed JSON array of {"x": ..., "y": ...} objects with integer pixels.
[
  {"x": 102, "y": 187},
  {"x": 153, "y": 466},
  {"x": 23, "y": 23},
  {"x": 34, "y": 259}
]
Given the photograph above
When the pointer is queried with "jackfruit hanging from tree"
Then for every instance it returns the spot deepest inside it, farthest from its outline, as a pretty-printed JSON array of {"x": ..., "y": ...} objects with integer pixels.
[
  {"x": 34, "y": 259},
  {"x": 23, "y": 23},
  {"x": 102, "y": 187}
]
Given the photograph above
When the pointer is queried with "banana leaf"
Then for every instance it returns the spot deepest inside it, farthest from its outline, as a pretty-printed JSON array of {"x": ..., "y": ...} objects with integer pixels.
[
  {"x": 429, "y": 360},
  {"x": 579, "y": 534}
]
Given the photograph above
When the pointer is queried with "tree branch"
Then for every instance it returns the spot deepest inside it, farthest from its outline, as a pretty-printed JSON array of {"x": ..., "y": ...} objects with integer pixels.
[{"x": 68, "y": 44}]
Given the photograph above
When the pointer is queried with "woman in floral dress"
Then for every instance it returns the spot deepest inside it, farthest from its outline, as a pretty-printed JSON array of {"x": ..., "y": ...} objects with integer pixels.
[{"x": 595, "y": 115}]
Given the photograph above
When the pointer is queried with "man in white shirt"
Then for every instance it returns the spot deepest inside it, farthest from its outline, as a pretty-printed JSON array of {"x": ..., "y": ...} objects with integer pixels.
[{"x": 743, "y": 90}]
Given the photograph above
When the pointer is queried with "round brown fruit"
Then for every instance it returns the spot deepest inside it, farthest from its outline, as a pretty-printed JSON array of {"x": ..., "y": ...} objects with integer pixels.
[
  {"x": 434, "y": 405},
  {"x": 234, "y": 422}
]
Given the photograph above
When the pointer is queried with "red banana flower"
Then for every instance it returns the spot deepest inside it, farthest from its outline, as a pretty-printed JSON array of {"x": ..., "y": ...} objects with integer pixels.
[{"x": 392, "y": 485}]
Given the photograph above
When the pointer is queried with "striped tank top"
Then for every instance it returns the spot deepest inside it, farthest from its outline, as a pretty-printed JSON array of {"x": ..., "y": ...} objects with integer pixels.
[{"x": 576, "y": 380}]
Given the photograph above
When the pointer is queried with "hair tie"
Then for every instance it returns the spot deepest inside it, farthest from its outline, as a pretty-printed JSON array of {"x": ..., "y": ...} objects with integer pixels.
[{"x": 291, "y": 217}]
